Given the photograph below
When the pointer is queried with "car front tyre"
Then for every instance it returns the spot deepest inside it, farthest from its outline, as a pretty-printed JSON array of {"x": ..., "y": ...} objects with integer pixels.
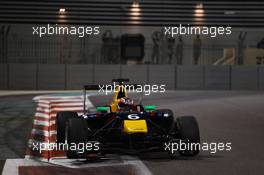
[
  {"x": 188, "y": 130},
  {"x": 61, "y": 120},
  {"x": 76, "y": 134}
]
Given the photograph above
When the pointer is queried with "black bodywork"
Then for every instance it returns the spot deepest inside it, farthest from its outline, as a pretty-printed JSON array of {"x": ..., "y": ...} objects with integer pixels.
[{"x": 107, "y": 129}]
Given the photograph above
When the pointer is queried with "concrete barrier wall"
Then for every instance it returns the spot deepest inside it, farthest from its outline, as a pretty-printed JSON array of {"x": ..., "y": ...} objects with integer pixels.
[
  {"x": 244, "y": 77},
  {"x": 261, "y": 77},
  {"x": 217, "y": 77},
  {"x": 22, "y": 76},
  {"x": 103, "y": 74},
  {"x": 79, "y": 75},
  {"x": 51, "y": 76},
  {"x": 137, "y": 74},
  {"x": 3, "y": 76},
  {"x": 190, "y": 77},
  {"x": 59, "y": 77},
  {"x": 162, "y": 74}
]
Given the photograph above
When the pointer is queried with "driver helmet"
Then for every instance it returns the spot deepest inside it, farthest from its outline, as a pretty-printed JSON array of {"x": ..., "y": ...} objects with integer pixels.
[{"x": 125, "y": 101}]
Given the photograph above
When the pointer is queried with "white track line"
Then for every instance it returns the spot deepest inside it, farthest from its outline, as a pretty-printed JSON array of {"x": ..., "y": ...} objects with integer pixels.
[
  {"x": 11, "y": 165},
  {"x": 113, "y": 160}
]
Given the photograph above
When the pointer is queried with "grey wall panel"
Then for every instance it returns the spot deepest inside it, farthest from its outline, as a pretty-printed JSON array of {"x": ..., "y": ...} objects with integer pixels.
[
  {"x": 3, "y": 76},
  {"x": 137, "y": 74},
  {"x": 261, "y": 77},
  {"x": 104, "y": 74},
  {"x": 51, "y": 76},
  {"x": 79, "y": 75},
  {"x": 190, "y": 77},
  {"x": 244, "y": 78},
  {"x": 217, "y": 77},
  {"x": 162, "y": 74},
  {"x": 22, "y": 76}
]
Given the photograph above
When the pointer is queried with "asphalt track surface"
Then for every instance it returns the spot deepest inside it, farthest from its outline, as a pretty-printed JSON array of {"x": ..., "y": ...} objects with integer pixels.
[
  {"x": 223, "y": 116},
  {"x": 16, "y": 116}
]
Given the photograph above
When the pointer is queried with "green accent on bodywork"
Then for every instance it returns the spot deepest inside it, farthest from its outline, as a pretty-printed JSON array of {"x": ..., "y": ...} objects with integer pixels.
[
  {"x": 150, "y": 107},
  {"x": 102, "y": 108}
]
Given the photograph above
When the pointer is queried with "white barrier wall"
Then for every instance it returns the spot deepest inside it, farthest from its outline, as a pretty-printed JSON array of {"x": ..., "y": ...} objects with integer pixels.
[
  {"x": 217, "y": 77},
  {"x": 59, "y": 77},
  {"x": 162, "y": 74},
  {"x": 3, "y": 76},
  {"x": 22, "y": 76},
  {"x": 103, "y": 74},
  {"x": 244, "y": 78},
  {"x": 137, "y": 74},
  {"x": 79, "y": 75},
  {"x": 51, "y": 76},
  {"x": 261, "y": 77},
  {"x": 190, "y": 77}
]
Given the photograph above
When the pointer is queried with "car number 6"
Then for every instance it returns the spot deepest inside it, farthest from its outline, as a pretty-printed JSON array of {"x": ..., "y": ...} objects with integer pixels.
[{"x": 133, "y": 117}]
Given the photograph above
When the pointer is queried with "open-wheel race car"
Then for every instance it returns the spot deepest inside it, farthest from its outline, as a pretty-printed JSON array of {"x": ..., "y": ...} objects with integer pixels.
[{"x": 126, "y": 128}]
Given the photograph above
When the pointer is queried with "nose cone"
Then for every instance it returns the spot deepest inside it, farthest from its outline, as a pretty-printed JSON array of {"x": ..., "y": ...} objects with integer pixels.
[{"x": 135, "y": 126}]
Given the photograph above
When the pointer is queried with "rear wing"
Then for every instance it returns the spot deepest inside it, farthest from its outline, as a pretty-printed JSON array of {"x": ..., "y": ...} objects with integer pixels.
[
  {"x": 97, "y": 87},
  {"x": 120, "y": 81}
]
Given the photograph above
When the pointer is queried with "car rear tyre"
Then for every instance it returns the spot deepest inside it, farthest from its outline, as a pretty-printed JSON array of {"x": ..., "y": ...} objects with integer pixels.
[
  {"x": 188, "y": 129},
  {"x": 61, "y": 120},
  {"x": 76, "y": 133}
]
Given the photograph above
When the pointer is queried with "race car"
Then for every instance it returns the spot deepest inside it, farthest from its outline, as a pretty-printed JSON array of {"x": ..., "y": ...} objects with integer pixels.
[{"x": 124, "y": 127}]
